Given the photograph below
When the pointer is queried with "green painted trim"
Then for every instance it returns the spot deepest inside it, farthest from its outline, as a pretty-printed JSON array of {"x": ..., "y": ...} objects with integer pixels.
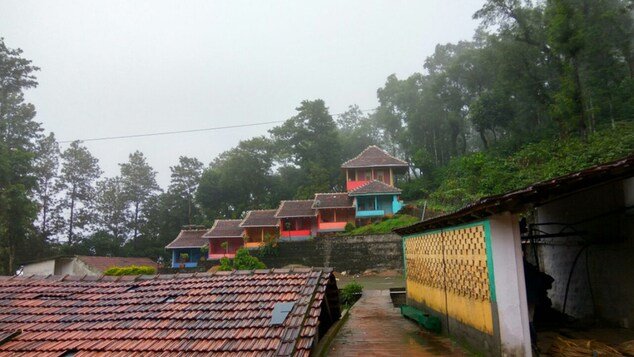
[
  {"x": 429, "y": 322},
  {"x": 487, "y": 240}
]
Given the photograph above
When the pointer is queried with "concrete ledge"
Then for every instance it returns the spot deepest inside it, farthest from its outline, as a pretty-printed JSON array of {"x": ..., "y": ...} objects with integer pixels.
[{"x": 427, "y": 321}]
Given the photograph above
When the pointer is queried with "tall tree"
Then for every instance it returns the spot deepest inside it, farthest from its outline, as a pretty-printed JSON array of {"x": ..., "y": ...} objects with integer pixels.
[
  {"x": 18, "y": 132},
  {"x": 139, "y": 184},
  {"x": 111, "y": 209},
  {"x": 50, "y": 220},
  {"x": 185, "y": 178},
  {"x": 79, "y": 172}
]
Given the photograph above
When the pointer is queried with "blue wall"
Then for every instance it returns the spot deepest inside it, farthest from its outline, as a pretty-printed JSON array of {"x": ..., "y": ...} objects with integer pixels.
[{"x": 194, "y": 257}]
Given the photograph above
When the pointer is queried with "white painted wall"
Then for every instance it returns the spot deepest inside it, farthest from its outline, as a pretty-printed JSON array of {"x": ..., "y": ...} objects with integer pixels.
[
  {"x": 46, "y": 267},
  {"x": 510, "y": 287}
]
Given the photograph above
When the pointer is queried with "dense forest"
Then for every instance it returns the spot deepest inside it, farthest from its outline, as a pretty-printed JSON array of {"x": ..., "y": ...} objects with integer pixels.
[{"x": 543, "y": 88}]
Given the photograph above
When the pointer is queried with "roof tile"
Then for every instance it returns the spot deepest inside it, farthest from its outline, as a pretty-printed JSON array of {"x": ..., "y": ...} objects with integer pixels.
[
  {"x": 225, "y": 228},
  {"x": 188, "y": 238},
  {"x": 298, "y": 208},
  {"x": 260, "y": 218},
  {"x": 374, "y": 156},
  {"x": 376, "y": 187}
]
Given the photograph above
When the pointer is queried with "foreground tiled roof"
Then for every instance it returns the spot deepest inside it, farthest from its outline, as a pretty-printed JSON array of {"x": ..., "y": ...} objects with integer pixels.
[
  {"x": 332, "y": 200},
  {"x": 260, "y": 218},
  {"x": 373, "y": 156},
  {"x": 224, "y": 228},
  {"x": 103, "y": 263},
  {"x": 224, "y": 313},
  {"x": 300, "y": 208},
  {"x": 374, "y": 187},
  {"x": 188, "y": 238}
]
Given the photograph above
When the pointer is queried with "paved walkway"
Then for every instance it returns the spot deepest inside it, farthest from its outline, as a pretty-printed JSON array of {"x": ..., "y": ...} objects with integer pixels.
[{"x": 376, "y": 328}]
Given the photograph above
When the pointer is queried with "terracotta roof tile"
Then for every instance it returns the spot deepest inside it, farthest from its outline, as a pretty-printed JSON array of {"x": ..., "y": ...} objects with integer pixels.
[
  {"x": 260, "y": 218},
  {"x": 225, "y": 228},
  {"x": 373, "y": 156},
  {"x": 299, "y": 208},
  {"x": 332, "y": 200},
  {"x": 375, "y": 186},
  {"x": 216, "y": 314},
  {"x": 189, "y": 238}
]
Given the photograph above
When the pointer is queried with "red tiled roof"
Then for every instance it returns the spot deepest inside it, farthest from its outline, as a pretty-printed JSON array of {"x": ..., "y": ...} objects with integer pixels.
[
  {"x": 332, "y": 200},
  {"x": 224, "y": 313},
  {"x": 374, "y": 156},
  {"x": 260, "y": 218},
  {"x": 375, "y": 186},
  {"x": 189, "y": 238},
  {"x": 299, "y": 208},
  {"x": 103, "y": 263},
  {"x": 225, "y": 228}
]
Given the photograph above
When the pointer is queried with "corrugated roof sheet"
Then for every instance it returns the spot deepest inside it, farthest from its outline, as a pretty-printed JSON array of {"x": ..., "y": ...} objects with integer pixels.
[
  {"x": 332, "y": 200},
  {"x": 375, "y": 186},
  {"x": 374, "y": 156},
  {"x": 189, "y": 238},
  {"x": 103, "y": 263},
  {"x": 300, "y": 208},
  {"x": 225, "y": 228},
  {"x": 260, "y": 218},
  {"x": 533, "y": 195},
  {"x": 224, "y": 313}
]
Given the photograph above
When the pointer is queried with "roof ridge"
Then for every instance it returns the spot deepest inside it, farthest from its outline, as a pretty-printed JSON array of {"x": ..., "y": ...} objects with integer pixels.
[
  {"x": 296, "y": 200},
  {"x": 328, "y": 193},
  {"x": 379, "y": 148}
]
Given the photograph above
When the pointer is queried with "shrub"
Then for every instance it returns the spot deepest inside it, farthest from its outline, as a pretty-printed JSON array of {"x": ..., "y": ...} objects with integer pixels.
[
  {"x": 351, "y": 293},
  {"x": 243, "y": 261},
  {"x": 183, "y": 257},
  {"x": 350, "y": 227},
  {"x": 130, "y": 270}
]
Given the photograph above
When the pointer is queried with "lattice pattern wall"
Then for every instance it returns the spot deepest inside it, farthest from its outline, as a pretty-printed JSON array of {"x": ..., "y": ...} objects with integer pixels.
[{"x": 457, "y": 262}]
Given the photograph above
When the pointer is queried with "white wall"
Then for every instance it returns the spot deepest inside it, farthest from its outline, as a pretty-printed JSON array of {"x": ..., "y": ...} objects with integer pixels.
[
  {"x": 46, "y": 267},
  {"x": 510, "y": 288}
]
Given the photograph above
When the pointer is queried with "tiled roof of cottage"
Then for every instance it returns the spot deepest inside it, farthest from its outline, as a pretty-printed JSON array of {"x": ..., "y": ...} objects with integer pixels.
[
  {"x": 225, "y": 228},
  {"x": 223, "y": 313},
  {"x": 299, "y": 208},
  {"x": 375, "y": 186},
  {"x": 103, "y": 263},
  {"x": 333, "y": 200},
  {"x": 373, "y": 156},
  {"x": 260, "y": 218},
  {"x": 189, "y": 238}
]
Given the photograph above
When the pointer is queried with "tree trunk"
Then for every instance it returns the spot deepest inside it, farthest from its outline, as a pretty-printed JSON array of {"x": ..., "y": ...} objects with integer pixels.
[
  {"x": 578, "y": 96},
  {"x": 136, "y": 219},
  {"x": 72, "y": 216},
  {"x": 483, "y": 138}
]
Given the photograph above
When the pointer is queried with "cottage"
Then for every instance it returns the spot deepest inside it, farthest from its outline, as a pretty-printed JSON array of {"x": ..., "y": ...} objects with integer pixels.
[
  {"x": 225, "y": 238},
  {"x": 277, "y": 312},
  {"x": 186, "y": 248},
  {"x": 375, "y": 199},
  {"x": 298, "y": 219},
  {"x": 492, "y": 280},
  {"x": 334, "y": 211},
  {"x": 81, "y": 265},
  {"x": 371, "y": 164},
  {"x": 259, "y": 227}
]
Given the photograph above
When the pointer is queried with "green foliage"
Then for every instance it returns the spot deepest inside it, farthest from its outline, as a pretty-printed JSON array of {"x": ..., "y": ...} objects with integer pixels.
[
  {"x": 243, "y": 261},
  {"x": 350, "y": 227},
  {"x": 183, "y": 257},
  {"x": 350, "y": 294},
  {"x": 385, "y": 226},
  {"x": 130, "y": 270}
]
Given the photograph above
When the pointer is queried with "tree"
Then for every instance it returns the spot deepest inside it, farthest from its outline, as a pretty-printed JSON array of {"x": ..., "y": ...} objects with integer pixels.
[
  {"x": 46, "y": 168},
  {"x": 111, "y": 209},
  {"x": 139, "y": 184},
  {"x": 18, "y": 132},
  {"x": 185, "y": 178},
  {"x": 79, "y": 172}
]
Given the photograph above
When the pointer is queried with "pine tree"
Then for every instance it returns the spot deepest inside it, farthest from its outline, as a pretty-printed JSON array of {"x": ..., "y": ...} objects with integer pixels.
[{"x": 139, "y": 184}]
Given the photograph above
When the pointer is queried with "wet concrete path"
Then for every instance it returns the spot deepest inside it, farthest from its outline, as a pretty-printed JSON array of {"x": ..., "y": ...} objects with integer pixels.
[{"x": 376, "y": 328}]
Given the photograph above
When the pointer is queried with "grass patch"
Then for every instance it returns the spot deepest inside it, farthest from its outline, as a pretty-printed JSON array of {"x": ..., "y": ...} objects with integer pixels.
[{"x": 385, "y": 226}]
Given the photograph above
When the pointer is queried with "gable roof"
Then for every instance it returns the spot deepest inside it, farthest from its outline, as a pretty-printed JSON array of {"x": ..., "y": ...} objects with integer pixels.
[
  {"x": 223, "y": 313},
  {"x": 374, "y": 187},
  {"x": 332, "y": 200},
  {"x": 374, "y": 156},
  {"x": 188, "y": 238},
  {"x": 225, "y": 228},
  {"x": 103, "y": 263},
  {"x": 530, "y": 196},
  {"x": 260, "y": 218},
  {"x": 298, "y": 208}
]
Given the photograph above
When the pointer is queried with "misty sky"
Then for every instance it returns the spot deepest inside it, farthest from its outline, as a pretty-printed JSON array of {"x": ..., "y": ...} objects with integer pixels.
[{"x": 113, "y": 68}]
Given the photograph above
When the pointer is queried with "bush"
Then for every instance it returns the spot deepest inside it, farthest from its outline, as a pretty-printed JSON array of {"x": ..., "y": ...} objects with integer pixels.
[
  {"x": 243, "y": 261},
  {"x": 350, "y": 294},
  {"x": 350, "y": 227},
  {"x": 130, "y": 270}
]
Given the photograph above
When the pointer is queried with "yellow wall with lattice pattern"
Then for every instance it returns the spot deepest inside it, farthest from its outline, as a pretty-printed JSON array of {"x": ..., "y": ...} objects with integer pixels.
[{"x": 447, "y": 271}]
